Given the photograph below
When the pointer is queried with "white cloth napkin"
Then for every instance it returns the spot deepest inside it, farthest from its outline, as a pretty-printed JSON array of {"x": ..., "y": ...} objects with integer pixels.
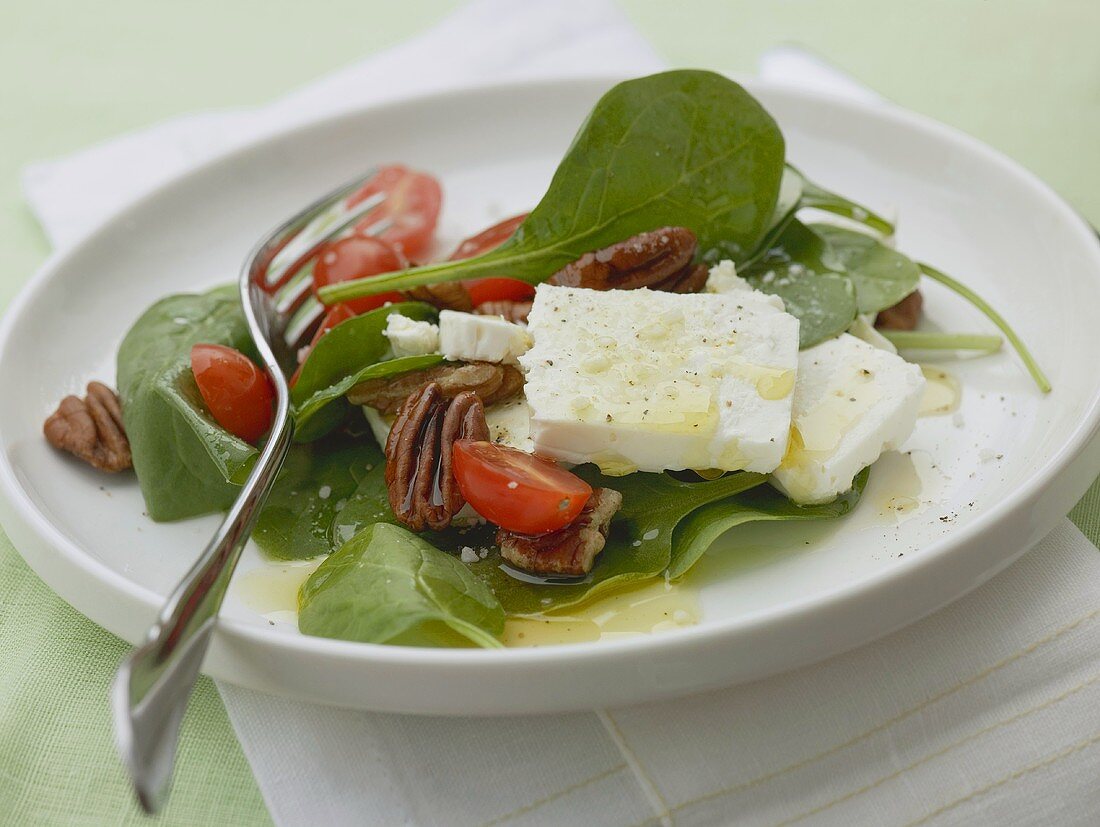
[{"x": 987, "y": 711}]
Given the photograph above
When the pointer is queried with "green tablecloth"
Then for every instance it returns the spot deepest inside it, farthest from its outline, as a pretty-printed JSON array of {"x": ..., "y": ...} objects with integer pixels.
[{"x": 1022, "y": 75}]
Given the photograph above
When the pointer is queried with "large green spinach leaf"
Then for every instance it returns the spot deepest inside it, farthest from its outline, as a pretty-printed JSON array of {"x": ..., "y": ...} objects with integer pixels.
[
  {"x": 810, "y": 278},
  {"x": 819, "y": 198},
  {"x": 387, "y": 585},
  {"x": 314, "y": 484},
  {"x": 348, "y": 354},
  {"x": 695, "y": 534},
  {"x": 638, "y": 547},
  {"x": 186, "y": 463},
  {"x": 882, "y": 276},
  {"x": 687, "y": 148}
]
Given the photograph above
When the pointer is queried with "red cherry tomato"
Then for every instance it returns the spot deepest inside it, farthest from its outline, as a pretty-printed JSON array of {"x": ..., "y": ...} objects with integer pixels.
[
  {"x": 488, "y": 239},
  {"x": 357, "y": 257},
  {"x": 493, "y": 289},
  {"x": 411, "y": 208},
  {"x": 517, "y": 491},
  {"x": 237, "y": 392},
  {"x": 498, "y": 289}
]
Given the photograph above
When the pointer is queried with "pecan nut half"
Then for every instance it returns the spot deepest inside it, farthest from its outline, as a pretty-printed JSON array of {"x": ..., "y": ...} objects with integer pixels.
[
  {"x": 568, "y": 551},
  {"x": 490, "y": 381},
  {"x": 422, "y": 489},
  {"x": 91, "y": 429},
  {"x": 905, "y": 315},
  {"x": 659, "y": 260},
  {"x": 512, "y": 311},
  {"x": 447, "y": 295}
]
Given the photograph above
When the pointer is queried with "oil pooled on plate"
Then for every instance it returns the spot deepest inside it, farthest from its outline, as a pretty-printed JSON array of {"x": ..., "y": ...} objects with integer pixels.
[
  {"x": 942, "y": 392},
  {"x": 272, "y": 590},
  {"x": 651, "y": 607}
]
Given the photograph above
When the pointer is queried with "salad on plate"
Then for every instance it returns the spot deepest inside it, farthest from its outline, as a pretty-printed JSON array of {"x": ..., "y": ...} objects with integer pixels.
[{"x": 684, "y": 335}]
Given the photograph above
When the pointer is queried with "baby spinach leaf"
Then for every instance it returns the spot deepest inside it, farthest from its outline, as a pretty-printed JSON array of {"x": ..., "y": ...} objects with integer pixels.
[
  {"x": 695, "y": 534},
  {"x": 311, "y": 415},
  {"x": 803, "y": 271},
  {"x": 882, "y": 277},
  {"x": 639, "y": 546},
  {"x": 786, "y": 207},
  {"x": 387, "y": 585},
  {"x": 186, "y": 463},
  {"x": 350, "y": 353},
  {"x": 822, "y": 199},
  {"x": 315, "y": 482},
  {"x": 687, "y": 148}
]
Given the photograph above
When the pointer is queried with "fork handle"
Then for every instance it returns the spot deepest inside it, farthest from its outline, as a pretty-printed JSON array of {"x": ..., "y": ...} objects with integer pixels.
[{"x": 154, "y": 682}]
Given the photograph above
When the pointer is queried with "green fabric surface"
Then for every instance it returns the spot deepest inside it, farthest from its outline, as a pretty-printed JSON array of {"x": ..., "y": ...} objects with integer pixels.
[{"x": 1021, "y": 75}]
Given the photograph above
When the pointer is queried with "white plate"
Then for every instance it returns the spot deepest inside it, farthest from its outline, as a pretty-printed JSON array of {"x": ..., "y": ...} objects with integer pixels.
[{"x": 1009, "y": 465}]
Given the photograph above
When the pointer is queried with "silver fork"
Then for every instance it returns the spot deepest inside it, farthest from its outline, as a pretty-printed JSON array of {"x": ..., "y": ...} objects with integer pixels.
[{"x": 153, "y": 684}]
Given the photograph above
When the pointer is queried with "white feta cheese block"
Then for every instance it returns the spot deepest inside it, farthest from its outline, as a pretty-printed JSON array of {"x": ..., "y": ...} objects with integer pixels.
[
  {"x": 647, "y": 380},
  {"x": 473, "y": 338},
  {"x": 852, "y": 402},
  {"x": 409, "y": 337}
]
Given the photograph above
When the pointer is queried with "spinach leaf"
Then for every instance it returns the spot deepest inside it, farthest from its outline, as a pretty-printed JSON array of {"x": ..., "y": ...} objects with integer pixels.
[
  {"x": 186, "y": 463},
  {"x": 638, "y": 547},
  {"x": 820, "y": 198},
  {"x": 804, "y": 272},
  {"x": 314, "y": 484},
  {"x": 882, "y": 277},
  {"x": 695, "y": 534},
  {"x": 387, "y": 585},
  {"x": 688, "y": 148},
  {"x": 348, "y": 354},
  {"x": 997, "y": 319},
  {"x": 786, "y": 207}
]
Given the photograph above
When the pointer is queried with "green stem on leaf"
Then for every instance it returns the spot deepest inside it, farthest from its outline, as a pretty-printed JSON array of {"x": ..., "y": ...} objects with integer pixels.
[
  {"x": 413, "y": 277},
  {"x": 928, "y": 340},
  {"x": 995, "y": 317}
]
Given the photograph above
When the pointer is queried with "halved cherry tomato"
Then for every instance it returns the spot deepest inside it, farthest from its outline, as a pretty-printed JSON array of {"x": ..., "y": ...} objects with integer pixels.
[
  {"x": 493, "y": 289},
  {"x": 357, "y": 257},
  {"x": 237, "y": 392},
  {"x": 498, "y": 289},
  {"x": 411, "y": 208},
  {"x": 488, "y": 239},
  {"x": 336, "y": 314},
  {"x": 517, "y": 491}
]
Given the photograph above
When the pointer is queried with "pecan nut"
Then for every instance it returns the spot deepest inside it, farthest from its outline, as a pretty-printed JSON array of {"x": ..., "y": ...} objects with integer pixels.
[
  {"x": 569, "y": 551},
  {"x": 659, "y": 260},
  {"x": 490, "y": 381},
  {"x": 422, "y": 489},
  {"x": 512, "y": 311},
  {"x": 447, "y": 295},
  {"x": 91, "y": 429},
  {"x": 902, "y": 316}
]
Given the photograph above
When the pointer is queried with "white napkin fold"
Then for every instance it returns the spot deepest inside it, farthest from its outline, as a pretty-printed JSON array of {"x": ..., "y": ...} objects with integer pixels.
[{"x": 988, "y": 710}]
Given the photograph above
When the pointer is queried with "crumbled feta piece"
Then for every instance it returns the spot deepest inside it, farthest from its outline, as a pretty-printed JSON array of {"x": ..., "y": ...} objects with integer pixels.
[
  {"x": 723, "y": 278},
  {"x": 648, "y": 380},
  {"x": 852, "y": 402},
  {"x": 468, "y": 555},
  {"x": 864, "y": 328},
  {"x": 510, "y": 424},
  {"x": 473, "y": 338},
  {"x": 409, "y": 337}
]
